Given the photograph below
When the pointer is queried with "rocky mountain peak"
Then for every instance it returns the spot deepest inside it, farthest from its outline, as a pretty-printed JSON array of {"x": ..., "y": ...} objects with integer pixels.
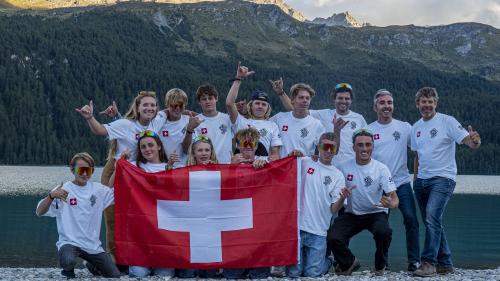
[{"x": 340, "y": 19}]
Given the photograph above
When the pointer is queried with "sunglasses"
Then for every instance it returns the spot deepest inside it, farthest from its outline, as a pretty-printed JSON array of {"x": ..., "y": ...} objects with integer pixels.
[
  {"x": 202, "y": 138},
  {"x": 177, "y": 105},
  {"x": 328, "y": 147},
  {"x": 343, "y": 86},
  {"x": 247, "y": 144},
  {"x": 148, "y": 133},
  {"x": 80, "y": 171}
]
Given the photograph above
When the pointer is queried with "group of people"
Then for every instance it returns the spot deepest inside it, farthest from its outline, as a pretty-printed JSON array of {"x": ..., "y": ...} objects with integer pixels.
[{"x": 352, "y": 171}]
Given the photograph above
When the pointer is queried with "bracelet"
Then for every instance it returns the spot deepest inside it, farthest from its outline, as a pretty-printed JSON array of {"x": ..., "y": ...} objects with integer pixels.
[
  {"x": 235, "y": 79},
  {"x": 189, "y": 131},
  {"x": 50, "y": 196}
]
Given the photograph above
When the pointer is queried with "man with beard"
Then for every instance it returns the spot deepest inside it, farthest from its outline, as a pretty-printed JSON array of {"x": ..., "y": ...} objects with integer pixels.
[
  {"x": 372, "y": 193},
  {"x": 391, "y": 141},
  {"x": 433, "y": 137}
]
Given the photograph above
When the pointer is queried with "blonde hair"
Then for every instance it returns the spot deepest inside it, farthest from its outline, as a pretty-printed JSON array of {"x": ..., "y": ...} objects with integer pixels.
[
  {"x": 192, "y": 160},
  {"x": 250, "y": 112},
  {"x": 174, "y": 96},
  {"x": 132, "y": 114},
  {"x": 82, "y": 156},
  {"x": 294, "y": 90}
]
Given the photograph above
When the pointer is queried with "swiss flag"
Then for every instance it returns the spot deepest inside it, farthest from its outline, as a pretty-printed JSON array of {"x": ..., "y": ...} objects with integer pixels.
[
  {"x": 152, "y": 230},
  {"x": 72, "y": 202},
  {"x": 204, "y": 131},
  {"x": 376, "y": 136},
  {"x": 418, "y": 134},
  {"x": 350, "y": 177},
  {"x": 310, "y": 171},
  {"x": 284, "y": 128},
  {"x": 165, "y": 133}
]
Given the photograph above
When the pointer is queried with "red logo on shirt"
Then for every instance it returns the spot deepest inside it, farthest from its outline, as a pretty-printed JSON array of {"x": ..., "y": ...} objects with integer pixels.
[
  {"x": 284, "y": 128},
  {"x": 418, "y": 134},
  {"x": 204, "y": 131},
  {"x": 310, "y": 171},
  {"x": 376, "y": 136},
  {"x": 165, "y": 133},
  {"x": 72, "y": 201},
  {"x": 350, "y": 177}
]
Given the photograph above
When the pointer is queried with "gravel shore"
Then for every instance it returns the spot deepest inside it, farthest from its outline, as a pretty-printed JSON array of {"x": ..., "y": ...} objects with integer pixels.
[{"x": 82, "y": 274}]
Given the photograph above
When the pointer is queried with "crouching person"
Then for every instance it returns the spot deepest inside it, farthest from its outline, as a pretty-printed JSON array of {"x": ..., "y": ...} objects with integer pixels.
[
  {"x": 322, "y": 193},
  {"x": 372, "y": 193},
  {"x": 77, "y": 206}
]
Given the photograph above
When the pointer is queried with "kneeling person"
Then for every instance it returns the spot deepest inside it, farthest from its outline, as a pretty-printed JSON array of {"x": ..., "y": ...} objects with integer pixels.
[
  {"x": 77, "y": 206},
  {"x": 372, "y": 193},
  {"x": 322, "y": 193}
]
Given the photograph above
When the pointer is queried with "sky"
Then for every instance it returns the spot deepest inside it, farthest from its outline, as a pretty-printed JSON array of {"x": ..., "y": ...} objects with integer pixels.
[{"x": 403, "y": 12}]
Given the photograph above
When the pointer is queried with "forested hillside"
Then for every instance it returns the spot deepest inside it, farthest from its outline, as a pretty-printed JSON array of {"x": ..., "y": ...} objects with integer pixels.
[{"x": 55, "y": 61}]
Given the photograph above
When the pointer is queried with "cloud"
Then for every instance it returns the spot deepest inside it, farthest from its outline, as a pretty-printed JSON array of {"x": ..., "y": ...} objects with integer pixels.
[{"x": 403, "y": 12}]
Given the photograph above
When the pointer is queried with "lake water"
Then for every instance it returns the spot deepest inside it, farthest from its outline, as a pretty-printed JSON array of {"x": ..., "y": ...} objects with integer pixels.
[{"x": 471, "y": 221}]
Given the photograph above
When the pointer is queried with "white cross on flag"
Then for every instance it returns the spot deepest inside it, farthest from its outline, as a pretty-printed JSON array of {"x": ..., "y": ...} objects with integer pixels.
[{"x": 207, "y": 216}]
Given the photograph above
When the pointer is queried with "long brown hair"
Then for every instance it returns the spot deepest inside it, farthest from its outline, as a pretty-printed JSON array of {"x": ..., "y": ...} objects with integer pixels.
[
  {"x": 140, "y": 158},
  {"x": 133, "y": 115}
]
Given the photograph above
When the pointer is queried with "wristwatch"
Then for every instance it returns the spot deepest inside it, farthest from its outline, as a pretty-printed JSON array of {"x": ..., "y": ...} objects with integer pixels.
[{"x": 50, "y": 196}]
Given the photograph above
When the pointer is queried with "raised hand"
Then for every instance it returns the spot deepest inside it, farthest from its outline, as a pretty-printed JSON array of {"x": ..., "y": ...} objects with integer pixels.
[
  {"x": 174, "y": 157},
  {"x": 277, "y": 86},
  {"x": 345, "y": 192},
  {"x": 194, "y": 122},
  {"x": 59, "y": 192},
  {"x": 243, "y": 72},
  {"x": 474, "y": 136},
  {"x": 110, "y": 111},
  {"x": 87, "y": 111},
  {"x": 125, "y": 154},
  {"x": 338, "y": 123}
]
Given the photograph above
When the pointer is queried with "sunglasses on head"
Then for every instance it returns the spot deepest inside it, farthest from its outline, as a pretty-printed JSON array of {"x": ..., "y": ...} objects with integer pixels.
[
  {"x": 148, "y": 133},
  {"x": 202, "y": 138},
  {"x": 80, "y": 171},
  {"x": 343, "y": 86},
  {"x": 328, "y": 147},
  {"x": 247, "y": 144}
]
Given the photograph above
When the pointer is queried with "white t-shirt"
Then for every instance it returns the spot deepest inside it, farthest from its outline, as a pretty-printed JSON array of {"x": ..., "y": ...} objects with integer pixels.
[
  {"x": 172, "y": 135},
  {"x": 79, "y": 219},
  {"x": 391, "y": 142},
  {"x": 434, "y": 141},
  {"x": 298, "y": 133},
  {"x": 126, "y": 132},
  {"x": 320, "y": 188},
  {"x": 356, "y": 122},
  {"x": 218, "y": 129},
  {"x": 371, "y": 181},
  {"x": 151, "y": 167},
  {"x": 269, "y": 132}
]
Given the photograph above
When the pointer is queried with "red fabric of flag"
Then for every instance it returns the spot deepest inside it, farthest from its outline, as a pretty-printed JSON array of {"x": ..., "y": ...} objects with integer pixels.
[{"x": 270, "y": 240}]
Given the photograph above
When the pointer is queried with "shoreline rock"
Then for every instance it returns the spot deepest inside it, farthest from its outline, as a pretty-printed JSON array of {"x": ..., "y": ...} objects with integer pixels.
[{"x": 8, "y": 273}]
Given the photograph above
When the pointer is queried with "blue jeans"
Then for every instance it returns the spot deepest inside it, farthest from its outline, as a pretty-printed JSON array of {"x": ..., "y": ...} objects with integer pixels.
[
  {"x": 432, "y": 196},
  {"x": 313, "y": 261},
  {"x": 410, "y": 220},
  {"x": 141, "y": 271},
  {"x": 254, "y": 273}
]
